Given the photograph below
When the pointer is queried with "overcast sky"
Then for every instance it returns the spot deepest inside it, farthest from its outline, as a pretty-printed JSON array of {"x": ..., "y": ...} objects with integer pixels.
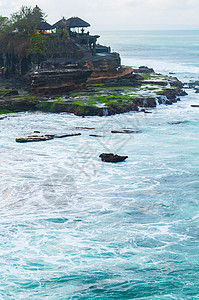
[{"x": 117, "y": 14}]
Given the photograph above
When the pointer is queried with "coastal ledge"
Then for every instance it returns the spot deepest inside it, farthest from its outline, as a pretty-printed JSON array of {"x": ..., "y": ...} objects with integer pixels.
[{"x": 135, "y": 91}]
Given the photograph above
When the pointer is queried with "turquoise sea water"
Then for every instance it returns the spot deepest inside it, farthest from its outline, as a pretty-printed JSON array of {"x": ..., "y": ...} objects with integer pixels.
[{"x": 73, "y": 227}]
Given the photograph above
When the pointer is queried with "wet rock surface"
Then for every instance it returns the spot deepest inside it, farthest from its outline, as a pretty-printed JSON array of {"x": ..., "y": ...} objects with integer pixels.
[
  {"x": 113, "y": 158},
  {"x": 2, "y": 118},
  {"x": 144, "y": 69},
  {"x": 128, "y": 92},
  {"x": 125, "y": 131},
  {"x": 46, "y": 137},
  {"x": 176, "y": 122}
]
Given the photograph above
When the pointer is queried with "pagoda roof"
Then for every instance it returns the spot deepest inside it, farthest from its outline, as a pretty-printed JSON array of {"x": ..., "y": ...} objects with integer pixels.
[
  {"x": 76, "y": 22},
  {"x": 60, "y": 23},
  {"x": 44, "y": 26}
]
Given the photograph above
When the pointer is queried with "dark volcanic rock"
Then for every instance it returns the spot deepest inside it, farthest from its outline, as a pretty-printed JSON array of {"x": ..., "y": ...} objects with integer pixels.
[
  {"x": 194, "y": 84},
  {"x": 149, "y": 102},
  {"x": 118, "y": 109},
  {"x": 172, "y": 93},
  {"x": 176, "y": 82},
  {"x": 113, "y": 158},
  {"x": 17, "y": 105},
  {"x": 169, "y": 102},
  {"x": 182, "y": 93},
  {"x": 66, "y": 135},
  {"x": 146, "y": 111},
  {"x": 125, "y": 131},
  {"x": 176, "y": 122},
  {"x": 144, "y": 70},
  {"x": 11, "y": 93}
]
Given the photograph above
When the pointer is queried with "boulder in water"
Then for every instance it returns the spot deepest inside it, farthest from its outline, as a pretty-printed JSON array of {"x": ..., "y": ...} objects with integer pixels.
[{"x": 113, "y": 158}]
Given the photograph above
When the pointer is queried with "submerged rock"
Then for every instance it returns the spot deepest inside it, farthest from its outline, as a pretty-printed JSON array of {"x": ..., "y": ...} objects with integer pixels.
[
  {"x": 176, "y": 122},
  {"x": 146, "y": 111},
  {"x": 194, "y": 84},
  {"x": 125, "y": 131},
  {"x": 34, "y": 139},
  {"x": 113, "y": 158},
  {"x": 47, "y": 137},
  {"x": 66, "y": 135},
  {"x": 86, "y": 128}
]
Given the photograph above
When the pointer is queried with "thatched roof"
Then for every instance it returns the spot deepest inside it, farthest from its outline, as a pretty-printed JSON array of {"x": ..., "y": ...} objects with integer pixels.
[
  {"x": 76, "y": 22},
  {"x": 60, "y": 23},
  {"x": 44, "y": 26}
]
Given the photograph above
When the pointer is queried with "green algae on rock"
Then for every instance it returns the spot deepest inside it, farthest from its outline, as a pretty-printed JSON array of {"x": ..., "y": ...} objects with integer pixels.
[{"x": 100, "y": 99}]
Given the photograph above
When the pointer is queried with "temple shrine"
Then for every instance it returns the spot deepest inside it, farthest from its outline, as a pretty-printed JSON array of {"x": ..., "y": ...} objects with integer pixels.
[{"x": 75, "y": 28}]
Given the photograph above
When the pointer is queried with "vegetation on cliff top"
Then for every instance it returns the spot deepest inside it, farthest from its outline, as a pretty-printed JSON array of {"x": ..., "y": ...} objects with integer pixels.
[
  {"x": 17, "y": 33},
  {"x": 20, "y": 41}
]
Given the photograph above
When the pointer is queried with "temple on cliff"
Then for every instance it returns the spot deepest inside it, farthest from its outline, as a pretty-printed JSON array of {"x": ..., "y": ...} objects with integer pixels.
[
  {"x": 60, "y": 72},
  {"x": 76, "y": 30},
  {"x": 75, "y": 27},
  {"x": 64, "y": 57}
]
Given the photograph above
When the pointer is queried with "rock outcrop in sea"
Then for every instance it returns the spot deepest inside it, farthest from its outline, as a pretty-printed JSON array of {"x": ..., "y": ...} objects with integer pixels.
[
  {"x": 130, "y": 92},
  {"x": 69, "y": 71}
]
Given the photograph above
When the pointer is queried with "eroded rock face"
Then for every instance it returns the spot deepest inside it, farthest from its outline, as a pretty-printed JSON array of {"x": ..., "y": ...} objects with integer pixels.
[
  {"x": 102, "y": 66},
  {"x": 62, "y": 77},
  {"x": 113, "y": 158},
  {"x": 60, "y": 81},
  {"x": 125, "y": 79},
  {"x": 17, "y": 105}
]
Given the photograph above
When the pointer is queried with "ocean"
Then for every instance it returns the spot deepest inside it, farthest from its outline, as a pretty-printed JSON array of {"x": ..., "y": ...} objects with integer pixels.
[{"x": 74, "y": 227}]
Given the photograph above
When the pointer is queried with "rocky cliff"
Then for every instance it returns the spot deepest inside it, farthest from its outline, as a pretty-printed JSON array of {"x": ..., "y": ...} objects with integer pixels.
[
  {"x": 58, "y": 81},
  {"x": 59, "y": 76}
]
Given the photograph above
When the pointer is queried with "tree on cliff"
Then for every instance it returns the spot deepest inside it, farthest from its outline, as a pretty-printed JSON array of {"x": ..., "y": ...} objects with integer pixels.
[
  {"x": 16, "y": 32},
  {"x": 2, "y": 21}
]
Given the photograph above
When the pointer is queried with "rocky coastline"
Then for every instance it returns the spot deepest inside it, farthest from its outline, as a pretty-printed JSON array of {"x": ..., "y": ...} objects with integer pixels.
[
  {"x": 62, "y": 68},
  {"x": 128, "y": 89}
]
